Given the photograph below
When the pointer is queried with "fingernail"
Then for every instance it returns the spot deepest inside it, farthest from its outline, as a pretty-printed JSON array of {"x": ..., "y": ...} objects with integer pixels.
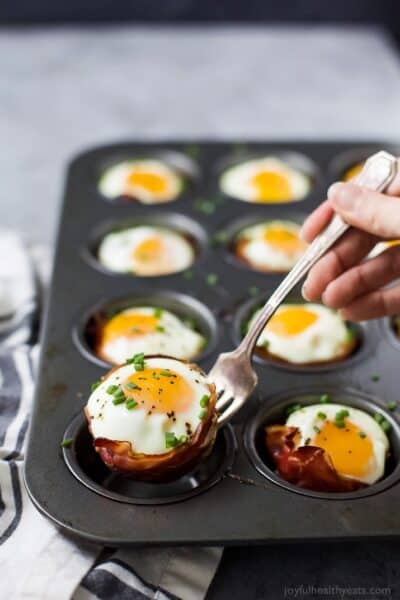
[
  {"x": 341, "y": 195},
  {"x": 304, "y": 291}
]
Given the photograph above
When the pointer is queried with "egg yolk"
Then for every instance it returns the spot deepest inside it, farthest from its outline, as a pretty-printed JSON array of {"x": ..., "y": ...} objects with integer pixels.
[
  {"x": 393, "y": 243},
  {"x": 353, "y": 171},
  {"x": 151, "y": 182},
  {"x": 291, "y": 321},
  {"x": 271, "y": 186},
  {"x": 128, "y": 325},
  {"x": 283, "y": 239},
  {"x": 349, "y": 452},
  {"x": 149, "y": 250},
  {"x": 159, "y": 391}
]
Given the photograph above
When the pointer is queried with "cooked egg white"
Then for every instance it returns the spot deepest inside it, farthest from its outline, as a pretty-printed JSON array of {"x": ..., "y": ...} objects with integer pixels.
[
  {"x": 146, "y": 250},
  {"x": 169, "y": 396},
  {"x": 148, "y": 181},
  {"x": 305, "y": 333},
  {"x": 358, "y": 450},
  {"x": 149, "y": 330},
  {"x": 270, "y": 246},
  {"x": 266, "y": 179}
]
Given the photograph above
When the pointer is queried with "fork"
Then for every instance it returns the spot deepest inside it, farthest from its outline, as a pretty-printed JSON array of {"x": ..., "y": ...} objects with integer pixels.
[{"x": 232, "y": 373}]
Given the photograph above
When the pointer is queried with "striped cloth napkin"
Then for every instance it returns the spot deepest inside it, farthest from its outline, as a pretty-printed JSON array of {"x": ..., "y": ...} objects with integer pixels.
[{"x": 37, "y": 561}]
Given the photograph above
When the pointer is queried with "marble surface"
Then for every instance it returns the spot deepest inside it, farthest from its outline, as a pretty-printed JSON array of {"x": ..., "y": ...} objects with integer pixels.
[{"x": 65, "y": 89}]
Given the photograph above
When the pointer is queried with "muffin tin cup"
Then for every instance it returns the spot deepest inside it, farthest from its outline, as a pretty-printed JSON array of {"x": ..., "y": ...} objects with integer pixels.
[
  {"x": 182, "y": 164},
  {"x": 176, "y": 222},
  {"x": 238, "y": 504},
  {"x": 273, "y": 413},
  {"x": 85, "y": 464},
  {"x": 181, "y": 305},
  {"x": 361, "y": 351},
  {"x": 296, "y": 160}
]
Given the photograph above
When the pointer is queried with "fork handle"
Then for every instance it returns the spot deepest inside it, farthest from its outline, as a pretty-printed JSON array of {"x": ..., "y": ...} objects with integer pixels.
[{"x": 377, "y": 173}]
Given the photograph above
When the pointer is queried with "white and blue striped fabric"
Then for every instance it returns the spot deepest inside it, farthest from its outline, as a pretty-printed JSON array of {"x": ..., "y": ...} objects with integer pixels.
[{"x": 37, "y": 561}]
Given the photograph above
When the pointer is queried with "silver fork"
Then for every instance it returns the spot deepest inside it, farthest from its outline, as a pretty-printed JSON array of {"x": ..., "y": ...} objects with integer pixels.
[{"x": 232, "y": 373}]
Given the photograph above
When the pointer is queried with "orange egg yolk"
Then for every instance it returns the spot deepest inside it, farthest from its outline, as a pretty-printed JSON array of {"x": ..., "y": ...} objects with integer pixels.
[
  {"x": 271, "y": 186},
  {"x": 349, "y": 452},
  {"x": 353, "y": 171},
  {"x": 393, "y": 243},
  {"x": 128, "y": 325},
  {"x": 159, "y": 391},
  {"x": 291, "y": 321},
  {"x": 283, "y": 239},
  {"x": 151, "y": 182},
  {"x": 150, "y": 250}
]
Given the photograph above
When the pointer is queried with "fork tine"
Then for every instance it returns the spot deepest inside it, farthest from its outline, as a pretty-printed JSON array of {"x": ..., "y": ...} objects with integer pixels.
[{"x": 225, "y": 399}]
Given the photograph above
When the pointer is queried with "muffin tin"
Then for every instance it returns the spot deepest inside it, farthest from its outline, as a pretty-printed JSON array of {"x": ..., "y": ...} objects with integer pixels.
[{"x": 233, "y": 497}]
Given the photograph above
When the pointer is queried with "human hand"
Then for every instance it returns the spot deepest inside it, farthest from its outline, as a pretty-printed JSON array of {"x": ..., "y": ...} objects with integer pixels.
[{"x": 340, "y": 279}]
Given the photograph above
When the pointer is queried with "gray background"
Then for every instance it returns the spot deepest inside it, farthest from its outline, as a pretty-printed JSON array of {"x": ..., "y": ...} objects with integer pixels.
[{"x": 65, "y": 89}]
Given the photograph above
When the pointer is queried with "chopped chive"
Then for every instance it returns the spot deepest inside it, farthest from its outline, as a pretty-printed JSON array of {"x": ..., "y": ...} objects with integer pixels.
[
  {"x": 131, "y": 385},
  {"x": 154, "y": 375},
  {"x": 325, "y": 399},
  {"x": 392, "y": 405},
  {"x": 316, "y": 429},
  {"x": 375, "y": 377},
  {"x": 95, "y": 385},
  {"x": 67, "y": 443},
  {"x": 170, "y": 440},
  {"x": 160, "y": 328},
  {"x": 220, "y": 237},
  {"x": 212, "y": 279},
  {"x": 385, "y": 425},
  {"x": 131, "y": 403},
  {"x": 158, "y": 312},
  {"x": 379, "y": 418},
  {"x": 136, "y": 358},
  {"x": 112, "y": 389},
  {"x": 183, "y": 439},
  {"x": 254, "y": 290},
  {"x": 189, "y": 322},
  {"x": 202, "y": 414},
  {"x": 204, "y": 400},
  {"x": 188, "y": 275},
  {"x": 342, "y": 414},
  {"x": 293, "y": 408},
  {"x": 340, "y": 424},
  {"x": 321, "y": 415},
  {"x": 118, "y": 400},
  {"x": 166, "y": 373},
  {"x": 350, "y": 334},
  {"x": 362, "y": 434},
  {"x": 205, "y": 206}
]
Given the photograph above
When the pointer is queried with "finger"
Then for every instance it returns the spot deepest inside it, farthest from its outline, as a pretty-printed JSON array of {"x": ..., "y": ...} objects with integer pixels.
[
  {"x": 318, "y": 219},
  {"x": 346, "y": 253},
  {"x": 394, "y": 187},
  {"x": 369, "y": 211},
  {"x": 376, "y": 304},
  {"x": 363, "y": 279}
]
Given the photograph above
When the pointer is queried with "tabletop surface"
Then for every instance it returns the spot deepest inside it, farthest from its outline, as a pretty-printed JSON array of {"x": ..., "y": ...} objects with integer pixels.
[{"x": 65, "y": 89}]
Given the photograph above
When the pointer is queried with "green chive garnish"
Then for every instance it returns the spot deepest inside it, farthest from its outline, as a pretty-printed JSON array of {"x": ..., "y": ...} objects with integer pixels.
[
  {"x": 316, "y": 429},
  {"x": 325, "y": 399},
  {"x": 112, "y": 389},
  {"x": 131, "y": 403},
  {"x": 212, "y": 279},
  {"x": 183, "y": 439},
  {"x": 362, "y": 434},
  {"x": 202, "y": 414},
  {"x": 67, "y": 443},
  {"x": 95, "y": 385},
  {"x": 340, "y": 424},
  {"x": 188, "y": 275},
  {"x": 205, "y": 206},
  {"x": 375, "y": 377},
  {"x": 254, "y": 290},
  {"x": 392, "y": 405},
  {"x": 379, "y": 418},
  {"x": 171, "y": 440},
  {"x": 118, "y": 399},
  {"x": 293, "y": 408},
  {"x": 204, "y": 400},
  {"x": 131, "y": 385},
  {"x": 166, "y": 373},
  {"x": 160, "y": 328},
  {"x": 385, "y": 425},
  {"x": 158, "y": 312},
  {"x": 321, "y": 415}
]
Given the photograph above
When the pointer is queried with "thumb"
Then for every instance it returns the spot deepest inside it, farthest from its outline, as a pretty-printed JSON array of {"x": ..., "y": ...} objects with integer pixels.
[{"x": 369, "y": 211}]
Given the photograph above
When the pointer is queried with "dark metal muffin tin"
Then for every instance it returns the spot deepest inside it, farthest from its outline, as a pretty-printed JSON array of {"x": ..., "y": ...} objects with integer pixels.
[{"x": 233, "y": 497}]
